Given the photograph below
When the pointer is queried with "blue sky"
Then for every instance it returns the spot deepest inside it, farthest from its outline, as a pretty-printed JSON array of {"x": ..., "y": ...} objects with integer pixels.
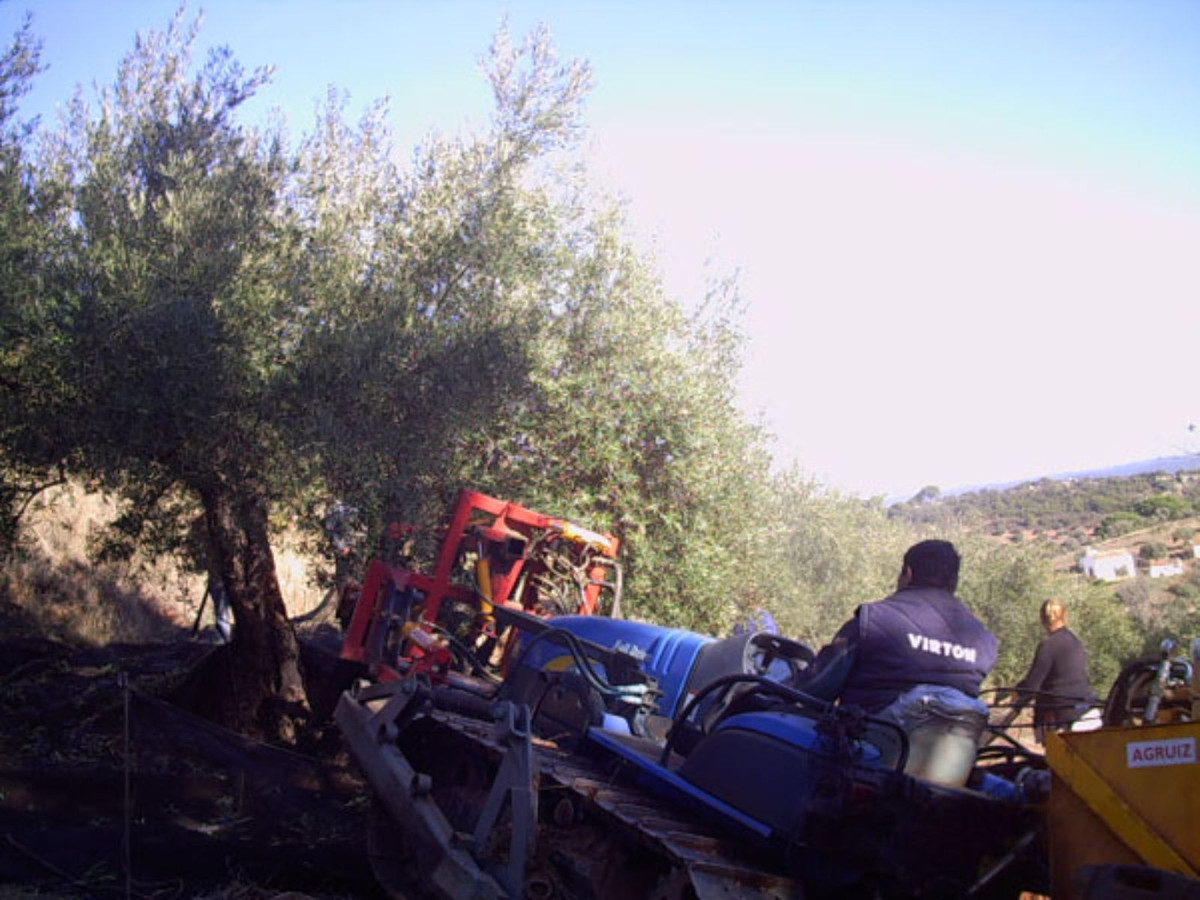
[{"x": 966, "y": 232}]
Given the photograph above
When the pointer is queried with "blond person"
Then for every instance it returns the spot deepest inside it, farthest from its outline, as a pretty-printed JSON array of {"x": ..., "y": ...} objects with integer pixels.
[{"x": 1057, "y": 679}]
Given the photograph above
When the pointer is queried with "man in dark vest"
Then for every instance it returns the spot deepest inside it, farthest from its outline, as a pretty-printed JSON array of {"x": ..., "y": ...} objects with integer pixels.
[
  {"x": 916, "y": 659},
  {"x": 920, "y": 636}
]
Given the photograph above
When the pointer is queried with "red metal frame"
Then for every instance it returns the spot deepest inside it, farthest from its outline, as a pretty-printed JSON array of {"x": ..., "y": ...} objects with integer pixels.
[{"x": 502, "y": 532}]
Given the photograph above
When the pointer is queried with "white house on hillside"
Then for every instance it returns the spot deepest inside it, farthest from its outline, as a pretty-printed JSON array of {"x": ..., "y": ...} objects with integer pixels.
[
  {"x": 1165, "y": 568},
  {"x": 1108, "y": 565}
]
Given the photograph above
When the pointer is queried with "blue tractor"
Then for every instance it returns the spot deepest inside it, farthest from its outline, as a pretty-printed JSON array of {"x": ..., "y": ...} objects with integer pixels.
[{"x": 621, "y": 759}]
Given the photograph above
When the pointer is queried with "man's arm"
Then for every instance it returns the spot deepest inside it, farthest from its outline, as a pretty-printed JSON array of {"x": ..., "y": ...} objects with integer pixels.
[
  {"x": 831, "y": 668},
  {"x": 845, "y": 639}
]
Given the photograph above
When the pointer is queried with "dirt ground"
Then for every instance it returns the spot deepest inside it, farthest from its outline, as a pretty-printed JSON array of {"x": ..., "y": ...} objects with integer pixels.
[{"x": 110, "y": 787}]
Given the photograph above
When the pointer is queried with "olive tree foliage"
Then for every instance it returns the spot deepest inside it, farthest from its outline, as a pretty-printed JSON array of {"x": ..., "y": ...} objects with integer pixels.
[
  {"x": 161, "y": 347},
  {"x": 1103, "y": 624},
  {"x": 628, "y": 418},
  {"x": 482, "y": 321},
  {"x": 826, "y": 553},
  {"x": 23, "y": 248},
  {"x": 419, "y": 292},
  {"x": 635, "y": 408},
  {"x": 1005, "y": 587}
]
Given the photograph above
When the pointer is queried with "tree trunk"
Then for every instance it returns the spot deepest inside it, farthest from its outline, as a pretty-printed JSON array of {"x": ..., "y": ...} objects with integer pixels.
[{"x": 264, "y": 695}]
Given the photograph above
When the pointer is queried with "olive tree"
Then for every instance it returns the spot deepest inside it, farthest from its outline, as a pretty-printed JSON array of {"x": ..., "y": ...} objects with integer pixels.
[
  {"x": 161, "y": 351},
  {"x": 827, "y": 553},
  {"x": 236, "y": 328},
  {"x": 419, "y": 293},
  {"x": 483, "y": 321},
  {"x": 26, "y": 382}
]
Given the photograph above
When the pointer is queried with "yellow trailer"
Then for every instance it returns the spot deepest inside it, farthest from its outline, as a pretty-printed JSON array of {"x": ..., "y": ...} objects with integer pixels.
[{"x": 1124, "y": 796}]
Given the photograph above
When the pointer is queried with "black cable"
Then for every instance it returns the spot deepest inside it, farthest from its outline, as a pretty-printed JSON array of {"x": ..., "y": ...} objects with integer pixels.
[
  {"x": 575, "y": 647},
  {"x": 477, "y": 666}
]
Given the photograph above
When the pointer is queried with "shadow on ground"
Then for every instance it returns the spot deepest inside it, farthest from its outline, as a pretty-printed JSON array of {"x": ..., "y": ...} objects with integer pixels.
[{"x": 109, "y": 787}]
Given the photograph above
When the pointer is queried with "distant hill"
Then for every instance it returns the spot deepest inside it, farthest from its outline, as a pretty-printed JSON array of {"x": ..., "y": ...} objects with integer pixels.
[
  {"x": 1072, "y": 508},
  {"x": 1168, "y": 464}
]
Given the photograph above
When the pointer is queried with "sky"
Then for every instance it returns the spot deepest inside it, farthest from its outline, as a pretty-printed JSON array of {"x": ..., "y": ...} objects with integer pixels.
[{"x": 965, "y": 232}]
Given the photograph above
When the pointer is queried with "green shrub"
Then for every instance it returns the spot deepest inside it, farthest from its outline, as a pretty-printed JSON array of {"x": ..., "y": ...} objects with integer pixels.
[{"x": 1119, "y": 523}]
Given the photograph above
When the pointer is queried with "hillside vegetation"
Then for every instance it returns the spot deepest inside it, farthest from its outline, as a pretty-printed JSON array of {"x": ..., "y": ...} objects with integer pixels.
[{"x": 1068, "y": 513}]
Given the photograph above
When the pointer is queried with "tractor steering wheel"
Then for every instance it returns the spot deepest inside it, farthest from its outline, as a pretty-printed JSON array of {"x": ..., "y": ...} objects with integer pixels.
[{"x": 778, "y": 658}]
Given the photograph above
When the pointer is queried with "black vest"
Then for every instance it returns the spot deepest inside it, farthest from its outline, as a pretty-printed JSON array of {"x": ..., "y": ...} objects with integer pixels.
[{"x": 919, "y": 635}]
